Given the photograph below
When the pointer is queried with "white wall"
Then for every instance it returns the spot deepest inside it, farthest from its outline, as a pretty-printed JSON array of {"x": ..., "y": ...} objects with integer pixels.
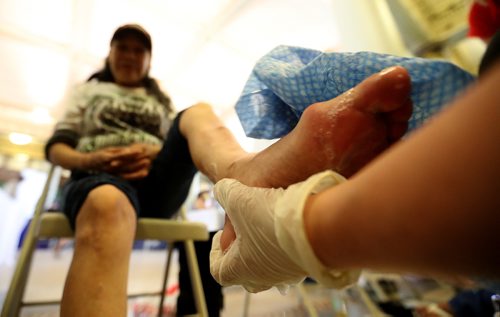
[{"x": 367, "y": 25}]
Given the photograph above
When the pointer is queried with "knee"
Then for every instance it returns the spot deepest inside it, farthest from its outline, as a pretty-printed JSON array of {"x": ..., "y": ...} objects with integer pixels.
[{"x": 105, "y": 210}]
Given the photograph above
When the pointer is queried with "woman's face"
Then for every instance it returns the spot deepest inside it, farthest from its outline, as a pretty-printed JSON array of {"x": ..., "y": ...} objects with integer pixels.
[{"x": 129, "y": 61}]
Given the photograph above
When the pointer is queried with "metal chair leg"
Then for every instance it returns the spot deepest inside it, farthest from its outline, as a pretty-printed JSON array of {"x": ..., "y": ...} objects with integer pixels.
[
  {"x": 246, "y": 304},
  {"x": 307, "y": 301},
  {"x": 14, "y": 297},
  {"x": 165, "y": 279},
  {"x": 194, "y": 271}
]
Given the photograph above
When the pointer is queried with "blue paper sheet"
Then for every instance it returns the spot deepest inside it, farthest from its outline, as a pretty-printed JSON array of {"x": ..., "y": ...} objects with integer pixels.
[{"x": 288, "y": 79}]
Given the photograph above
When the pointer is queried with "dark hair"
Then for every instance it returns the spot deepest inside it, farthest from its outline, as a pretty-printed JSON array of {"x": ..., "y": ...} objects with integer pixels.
[{"x": 151, "y": 85}]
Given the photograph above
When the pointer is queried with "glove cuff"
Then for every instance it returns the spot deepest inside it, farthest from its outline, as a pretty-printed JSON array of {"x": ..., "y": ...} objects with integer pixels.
[{"x": 291, "y": 235}]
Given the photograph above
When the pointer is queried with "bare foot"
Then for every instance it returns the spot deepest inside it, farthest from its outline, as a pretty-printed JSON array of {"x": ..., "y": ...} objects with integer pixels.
[{"x": 342, "y": 134}]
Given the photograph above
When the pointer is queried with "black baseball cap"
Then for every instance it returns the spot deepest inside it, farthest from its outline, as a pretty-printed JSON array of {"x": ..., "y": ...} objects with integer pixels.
[{"x": 133, "y": 29}]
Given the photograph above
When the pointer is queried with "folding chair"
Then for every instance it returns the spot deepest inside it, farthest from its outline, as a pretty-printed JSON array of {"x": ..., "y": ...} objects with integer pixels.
[{"x": 55, "y": 225}]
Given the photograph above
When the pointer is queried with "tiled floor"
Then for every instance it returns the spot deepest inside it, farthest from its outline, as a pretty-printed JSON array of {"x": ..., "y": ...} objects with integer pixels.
[{"x": 49, "y": 271}]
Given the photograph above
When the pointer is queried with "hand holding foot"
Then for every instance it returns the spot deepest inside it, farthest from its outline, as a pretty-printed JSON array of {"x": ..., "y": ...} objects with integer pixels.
[{"x": 272, "y": 248}]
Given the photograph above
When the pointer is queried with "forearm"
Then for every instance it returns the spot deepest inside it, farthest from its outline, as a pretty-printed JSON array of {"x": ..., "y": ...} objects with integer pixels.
[
  {"x": 65, "y": 156},
  {"x": 429, "y": 205}
]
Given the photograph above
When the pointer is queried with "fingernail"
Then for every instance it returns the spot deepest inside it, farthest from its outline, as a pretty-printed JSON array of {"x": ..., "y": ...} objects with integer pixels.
[{"x": 387, "y": 70}]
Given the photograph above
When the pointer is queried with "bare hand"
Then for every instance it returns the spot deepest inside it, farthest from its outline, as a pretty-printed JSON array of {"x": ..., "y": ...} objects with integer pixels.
[
  {"x": 130, "y": 162},
  {"x": 101, "y": 160}
]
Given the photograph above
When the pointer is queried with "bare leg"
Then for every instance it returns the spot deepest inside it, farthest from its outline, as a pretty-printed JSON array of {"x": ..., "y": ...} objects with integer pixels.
[
  {"x": 342, "y": 134},
  {"x": 97, "y": 280}
]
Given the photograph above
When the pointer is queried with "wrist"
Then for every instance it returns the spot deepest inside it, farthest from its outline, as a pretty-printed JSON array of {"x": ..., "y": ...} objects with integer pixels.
[
  {"x": 310, "y": 218},
  {"x": 298, "y": 215},
  {"x": 154, "y": 149},
  {"x": 318, "y": 226},
  {"x": 83, "y": 160}
]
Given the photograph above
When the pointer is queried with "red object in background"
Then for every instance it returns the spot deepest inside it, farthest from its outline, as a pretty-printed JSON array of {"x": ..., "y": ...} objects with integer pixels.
[{"x": 484, "y": 19}]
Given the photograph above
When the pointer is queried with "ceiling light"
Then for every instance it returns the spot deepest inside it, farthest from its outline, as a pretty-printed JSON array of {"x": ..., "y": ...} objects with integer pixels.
[
  {"x": 20, "y": 138},
  {"x": 22, "y": 157}
]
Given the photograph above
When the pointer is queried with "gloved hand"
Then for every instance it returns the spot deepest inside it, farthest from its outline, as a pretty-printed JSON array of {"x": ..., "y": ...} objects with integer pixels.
[{"x": 271, "y": 246}]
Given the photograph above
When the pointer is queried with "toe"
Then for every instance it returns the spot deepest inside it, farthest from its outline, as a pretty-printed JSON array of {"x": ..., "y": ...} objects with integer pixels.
[
  {"x": 397, "y": 121},
  {"x": 385, "y": 91}
]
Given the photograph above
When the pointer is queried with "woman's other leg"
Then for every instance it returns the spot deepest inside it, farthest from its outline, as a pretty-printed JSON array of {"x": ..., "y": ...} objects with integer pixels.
[{"x": 96, "y": 284}]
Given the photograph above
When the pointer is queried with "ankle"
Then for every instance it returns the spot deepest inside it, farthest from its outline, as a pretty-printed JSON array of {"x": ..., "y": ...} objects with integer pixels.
[{"x": 238, "y": 168}]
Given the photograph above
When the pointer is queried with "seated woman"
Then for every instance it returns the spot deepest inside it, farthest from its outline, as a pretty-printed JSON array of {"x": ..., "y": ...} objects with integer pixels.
[{"x": 118, "y": 122}]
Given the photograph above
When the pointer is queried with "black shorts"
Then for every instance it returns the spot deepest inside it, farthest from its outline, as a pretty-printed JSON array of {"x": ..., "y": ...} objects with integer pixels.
[{"x": 159, "y": 195}]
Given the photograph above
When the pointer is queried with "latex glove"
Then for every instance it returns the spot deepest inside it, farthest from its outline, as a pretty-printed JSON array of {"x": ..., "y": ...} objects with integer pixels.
[{"x": 271, "y": 246}]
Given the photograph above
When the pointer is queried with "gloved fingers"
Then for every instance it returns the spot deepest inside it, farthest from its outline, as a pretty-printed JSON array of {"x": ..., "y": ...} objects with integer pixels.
[
  {"x": 223, "y": 190},
  {"x": 228, "y": 193},
  {"x": 228, "y": 268},
  {"x": 254, "y": 260},
  {"x": 222, "y": 263},
  {"x": 216, "y": 258},
  {"x": 248, "y": 264},
  {"x": 233, "y": 197},
  {"x": 245, "y": 206}
]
